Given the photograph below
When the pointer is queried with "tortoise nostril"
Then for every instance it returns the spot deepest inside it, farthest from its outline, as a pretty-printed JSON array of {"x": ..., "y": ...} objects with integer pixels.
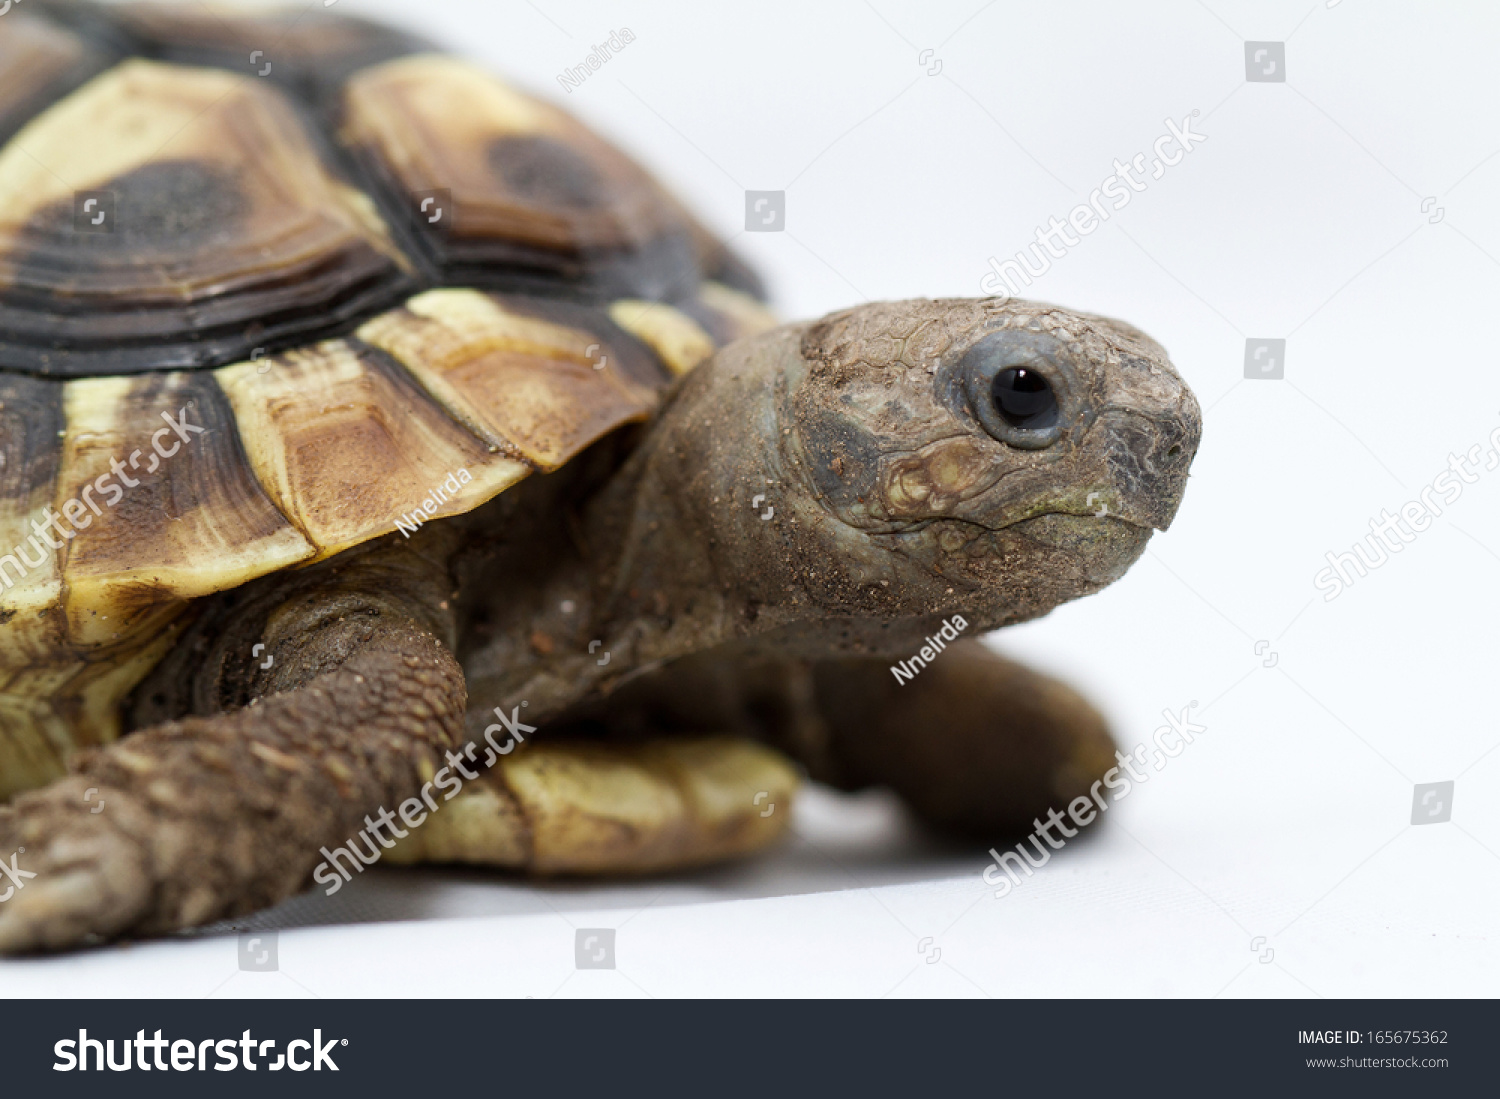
[{"x": 1174, "y": 450}]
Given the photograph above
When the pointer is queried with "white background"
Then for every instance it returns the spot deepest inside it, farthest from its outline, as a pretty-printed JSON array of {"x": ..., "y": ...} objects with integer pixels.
[{"x": 1301, "y": 217}]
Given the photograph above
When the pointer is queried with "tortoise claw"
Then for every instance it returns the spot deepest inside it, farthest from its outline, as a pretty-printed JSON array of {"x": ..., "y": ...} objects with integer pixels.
[{"x": 70, "y": 875}]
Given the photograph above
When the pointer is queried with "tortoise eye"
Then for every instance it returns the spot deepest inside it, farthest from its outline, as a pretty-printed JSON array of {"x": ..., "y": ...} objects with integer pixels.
[
  {"x": 1021, "y": 387},
  {"x": 1024, "y": 399}
]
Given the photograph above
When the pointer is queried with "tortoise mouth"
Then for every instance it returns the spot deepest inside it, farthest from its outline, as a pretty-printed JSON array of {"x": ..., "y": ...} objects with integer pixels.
[
  {"x": 1104, "y": 546},
  {"x": 1050, "y": 526},
  {"x": 1095, "y": 549},
  {"x": 1076, "y": 521},
  {"x": 1067, "y": 528}
]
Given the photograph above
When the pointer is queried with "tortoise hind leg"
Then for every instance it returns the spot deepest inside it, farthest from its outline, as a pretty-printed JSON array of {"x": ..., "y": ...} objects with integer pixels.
[{"x": 213, "y": 816}]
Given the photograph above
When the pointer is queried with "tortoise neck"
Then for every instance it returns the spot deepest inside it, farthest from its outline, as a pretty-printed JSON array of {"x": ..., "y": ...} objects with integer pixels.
[{"x": 688, "y": 541}]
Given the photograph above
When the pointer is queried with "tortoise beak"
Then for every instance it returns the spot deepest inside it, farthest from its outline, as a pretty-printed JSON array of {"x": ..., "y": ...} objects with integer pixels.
[
  {"x": 1151, "y": 424},
  {"x": 1148, "y": 459}
]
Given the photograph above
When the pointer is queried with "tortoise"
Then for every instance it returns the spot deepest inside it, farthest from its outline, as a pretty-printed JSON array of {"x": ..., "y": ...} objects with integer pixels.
[{"x": 391, "y": 467}]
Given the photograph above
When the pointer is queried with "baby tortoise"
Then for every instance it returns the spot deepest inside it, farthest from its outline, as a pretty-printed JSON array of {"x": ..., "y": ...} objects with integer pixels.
[{"x": 281, "y": 346}]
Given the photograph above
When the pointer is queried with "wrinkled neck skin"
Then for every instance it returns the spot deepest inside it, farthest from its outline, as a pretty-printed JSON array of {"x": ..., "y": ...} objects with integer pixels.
[
  {"x": 706, "y": 535},
  {"x": 664, "y": 559},
  {"x": 712, "y": 533}
]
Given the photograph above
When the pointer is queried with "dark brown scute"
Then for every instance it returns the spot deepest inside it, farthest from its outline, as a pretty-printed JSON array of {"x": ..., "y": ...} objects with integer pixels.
[
  {"x": 230, "y": 245},
  {"x": 233, "y": 236},
  {"x": 202, "y": 498},
  {"x": 545, "y": 171},
  {"x": 539, "y": 204},
  {"x": 659, "y": 269},
  {"x": 726, "y": 266},
  {"x": 71, "y": 309},
  {"x": 31, "y": 424},
  {"x": 588, "y": 274},
  {"x": 720, "y": 263},
  {"x": 311, "y": 52}
]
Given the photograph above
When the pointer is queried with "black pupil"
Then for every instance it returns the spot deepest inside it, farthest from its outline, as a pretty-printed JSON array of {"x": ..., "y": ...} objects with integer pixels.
[{"x": 1024, "y": 398}]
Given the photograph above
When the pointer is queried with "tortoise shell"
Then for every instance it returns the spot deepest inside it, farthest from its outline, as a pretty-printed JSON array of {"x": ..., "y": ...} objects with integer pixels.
[{"x": 261, "y": 305}]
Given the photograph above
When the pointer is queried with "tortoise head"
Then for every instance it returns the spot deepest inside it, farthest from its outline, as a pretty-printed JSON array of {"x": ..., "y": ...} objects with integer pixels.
[
  {"x": 859, "y": 478},
  {"x": 1017, "y": 454}
]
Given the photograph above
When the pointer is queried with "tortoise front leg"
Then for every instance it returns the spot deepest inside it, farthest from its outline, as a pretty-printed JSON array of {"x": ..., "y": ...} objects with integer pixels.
[
  {"x": 975, "y": 743},
  {"x": 213, "y": 816}
]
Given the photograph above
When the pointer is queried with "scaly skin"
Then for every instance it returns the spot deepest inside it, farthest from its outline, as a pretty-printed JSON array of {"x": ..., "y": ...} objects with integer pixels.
[
  {"x": 897, "y": 499},
  {"x": 213, "y": 817}
]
